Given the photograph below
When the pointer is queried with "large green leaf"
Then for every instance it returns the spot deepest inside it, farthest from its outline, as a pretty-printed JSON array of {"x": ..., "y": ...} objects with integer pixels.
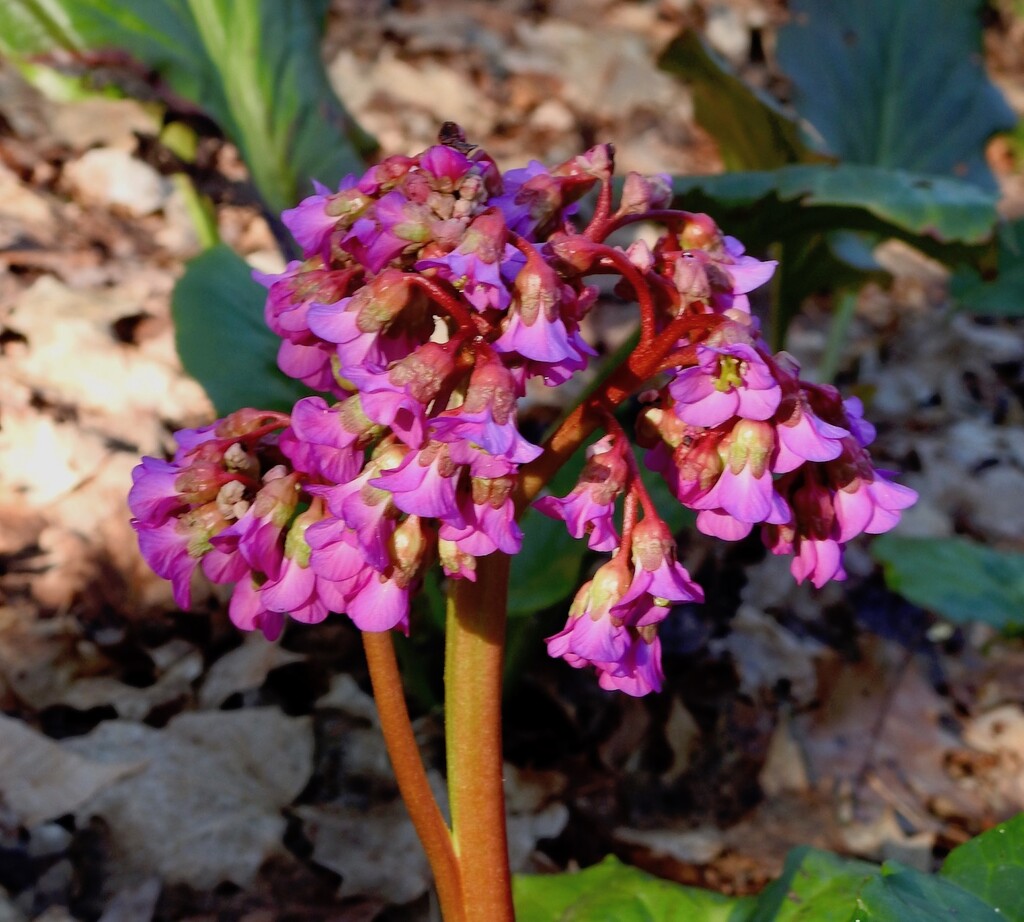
[
  {"x": 956, "y": 578},
  {"x": 982, "y": 881},
  {"x": 547, "y": 569},
  {"x": 816, "y": 886},
  {"x": 901, "y": 894},
  {"x": 613, "y": 891},
  {"x": 773, "y": 204},
  {"x": 999, "y": 291},
  {"x": 991, "y": 866},
  {"x": 895, "y": 84},
  {"x": 222, "y": 338},
  {"x": 254, "y": 67},
  {"x": 752, "y": 131}
]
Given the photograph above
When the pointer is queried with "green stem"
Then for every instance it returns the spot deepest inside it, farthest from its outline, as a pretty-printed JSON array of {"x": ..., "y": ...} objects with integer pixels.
[
  {"x": 474, "y": 650},
  {"x": 410, "y": 774}
]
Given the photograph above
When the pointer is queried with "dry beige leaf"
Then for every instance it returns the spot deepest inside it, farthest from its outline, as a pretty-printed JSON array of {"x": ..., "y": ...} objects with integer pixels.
[
  {"x": 135, "y": 904},
  {"x": 375, "y": 850},
  {"x": 130, "y": 702},
  {"x": 346, "y": 695},
  {"x": 111, "y": 177},
  {"x": 765, "y": 653},
  {"x": 690, "y": 846},
  {"x": 8, "y": 911},
  {"x": 207, "y": 807},
  {"x": 785, "y": 770},
  {"x": 242, "y": 669},
  {"x": 40, "y": 779}
]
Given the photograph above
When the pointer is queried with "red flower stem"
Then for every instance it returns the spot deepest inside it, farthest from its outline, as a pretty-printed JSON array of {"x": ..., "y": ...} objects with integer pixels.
[
  {"x": 637, "y": 490},
  {"x": 410, "y": 774},
  {"x": 596, "y": 229},
  {"x": 643, "y": 363},
  {"x": 631, "y": 274},
  {"x": 628, "y": 524},
  {"x": 667, "y": 216},
  {"x": 474, "y": 653},
  {"x": 455, "y": 308},
  {"x": 684, "y": 358}
]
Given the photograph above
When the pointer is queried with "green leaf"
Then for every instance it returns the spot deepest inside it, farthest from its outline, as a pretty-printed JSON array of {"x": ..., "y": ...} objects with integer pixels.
[
  {"x": 613, "y": 891},
  {"x": 956, "y": 578},
  {"x": 901, "y": 894},
  {"x": 253, "y": 67},
  {"x": 222, "y": 338},
  {"x": 752, "y": 131},
  {"x": 547, "y": 569},
  {"x": 794, "y": 199},
  {"x": 982, "y": 881},
  {"x": 895, "y": 84},
  {"x": 816, "y": 886},
  {"x": 992, "y": 867},
  {"x": 1001, "y": 294}
]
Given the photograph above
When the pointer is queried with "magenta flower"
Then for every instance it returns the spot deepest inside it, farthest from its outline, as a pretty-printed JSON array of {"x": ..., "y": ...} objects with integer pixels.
[
  {"x": 802, "y": 436},
  {"x": 638, "y": 672},
  {"x": 483, "y": 265},
  {"x": 811, "y": 536},
  {"x": 592, "y": 634},
  {"x": 384, "y": 230},
  {"x": 744, "y": 491},
  {"x": 154, "y": 498},
  {"x": 656, "y": 573},
  {"x": 488, "y": 514},
  {"x": 745, "y": 272},
  {"x": 169, "y": 551},
  {"x": 446, "y": 164},
  {"x": 589, "y": 509},
  {"x": 309, "y": 222},
  {"x": 335, "y": 552},
  {"x": 434, "y": 296},
  {"x": 328, "y": 440},
  {"x": 248, "y": 613},
  {"x": 870, "y": 504},
  {"x": 424, "y": 483},
  {"x": 730, "y": 380}
]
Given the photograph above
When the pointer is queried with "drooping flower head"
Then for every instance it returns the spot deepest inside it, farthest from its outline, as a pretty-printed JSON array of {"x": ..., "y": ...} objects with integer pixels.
[{"x": 433, "y": 296}]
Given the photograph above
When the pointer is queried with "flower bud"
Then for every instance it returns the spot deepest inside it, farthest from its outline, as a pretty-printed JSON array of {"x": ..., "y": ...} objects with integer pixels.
[
  {"x": 608, "y": 585},
  {"x": 701, "y": 233},
  {"x": 644, "y": 193},
  {"x": 577, "y": 251},
  {"x": 750, "y": 445},
  {"x": 424, "y": 371},
  {"x": 410, "y": 547},
  {"x": 456, "y": 562},
  {"x": 380, "y": 301}
]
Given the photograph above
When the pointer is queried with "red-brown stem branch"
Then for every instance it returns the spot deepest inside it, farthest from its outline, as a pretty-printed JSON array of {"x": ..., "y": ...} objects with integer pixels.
[
  {"x": 636, "y": 486},
  {"x": 444, "y": 298},
  {"x": 410, "y": 774},
  {"x": 643, "y": 363},
  {"x": 631, "y": 274},
  {"x": 595, "y": 230},
  {"x": 668, "y": 216}
]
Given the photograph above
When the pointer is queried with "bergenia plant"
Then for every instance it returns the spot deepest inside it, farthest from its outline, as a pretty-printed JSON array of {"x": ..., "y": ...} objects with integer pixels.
[{"x": 432, "y": 292}]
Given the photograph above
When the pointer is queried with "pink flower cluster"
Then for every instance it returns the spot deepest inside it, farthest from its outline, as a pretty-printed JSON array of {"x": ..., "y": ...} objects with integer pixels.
[{"x": 431, "y": 290}]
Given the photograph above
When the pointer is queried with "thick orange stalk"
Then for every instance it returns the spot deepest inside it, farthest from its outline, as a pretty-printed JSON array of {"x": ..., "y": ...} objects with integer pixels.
[
  {"x": 412, "y": 778},
  {"x": 474, "y": 654}
]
